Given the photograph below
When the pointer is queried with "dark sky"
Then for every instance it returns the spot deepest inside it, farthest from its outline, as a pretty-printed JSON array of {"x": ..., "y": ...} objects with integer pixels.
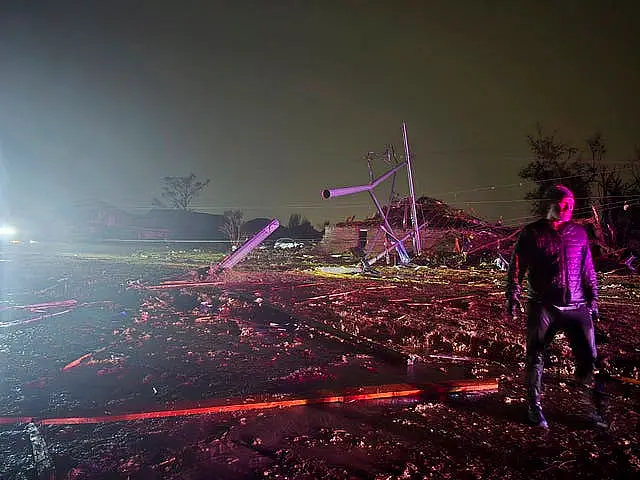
[{"x": 275, "y": 101}]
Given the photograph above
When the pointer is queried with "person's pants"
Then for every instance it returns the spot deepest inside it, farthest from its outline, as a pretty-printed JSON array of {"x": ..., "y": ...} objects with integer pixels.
[{"x": 543, "y": 323}]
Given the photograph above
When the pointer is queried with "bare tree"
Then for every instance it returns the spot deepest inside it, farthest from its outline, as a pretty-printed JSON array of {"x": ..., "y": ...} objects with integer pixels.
[
  {"x": 232, "y": 226},
  {"x": 634, "y": 167},
  {"x": 179, "y": 192},
  {"x": 556, "y": 162},
  {"x": 608, "y": 179}
]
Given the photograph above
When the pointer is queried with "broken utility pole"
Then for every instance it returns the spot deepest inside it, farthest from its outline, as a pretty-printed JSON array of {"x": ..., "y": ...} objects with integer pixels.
[
  {"x": 235, "y": 257},
  {"x": 398, "y": 243}
]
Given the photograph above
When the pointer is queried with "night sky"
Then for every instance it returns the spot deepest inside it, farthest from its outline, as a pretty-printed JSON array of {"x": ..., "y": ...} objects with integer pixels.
[{"x": 275, "y": 101}]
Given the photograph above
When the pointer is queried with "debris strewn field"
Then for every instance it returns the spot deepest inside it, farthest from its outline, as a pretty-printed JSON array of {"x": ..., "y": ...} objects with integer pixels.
[{"x": 84, "y": 341}]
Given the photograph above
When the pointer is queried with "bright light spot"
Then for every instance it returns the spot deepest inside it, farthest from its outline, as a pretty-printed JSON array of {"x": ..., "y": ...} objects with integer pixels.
[{"x": 7, "y": 231}]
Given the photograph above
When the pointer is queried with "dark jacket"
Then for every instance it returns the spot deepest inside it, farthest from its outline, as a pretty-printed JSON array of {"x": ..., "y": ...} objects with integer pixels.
[{"x": 559, "y": 263}]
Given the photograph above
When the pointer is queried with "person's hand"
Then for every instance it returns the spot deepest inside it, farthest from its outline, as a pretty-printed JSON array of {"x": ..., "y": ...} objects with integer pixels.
[
  {"x": 595, "y": 314},
  {"x": 514, "y": 307}
]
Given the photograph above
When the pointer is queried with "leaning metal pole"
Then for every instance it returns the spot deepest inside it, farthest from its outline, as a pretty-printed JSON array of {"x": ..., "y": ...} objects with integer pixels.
[
  {"x": 231, "y": 260},
  {"x": 386, "y": 227},
  {"x": 417, "y": 246},
  {"x": 339, "y": 192},
  {"x": 402, "y": 252},
  {"x": 396, "y": 242}
]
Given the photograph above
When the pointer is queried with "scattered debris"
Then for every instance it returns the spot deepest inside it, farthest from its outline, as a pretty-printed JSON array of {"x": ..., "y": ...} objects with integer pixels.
[
  {"x": 41, "y": 457},
  {"x": 150, "y": 351}
]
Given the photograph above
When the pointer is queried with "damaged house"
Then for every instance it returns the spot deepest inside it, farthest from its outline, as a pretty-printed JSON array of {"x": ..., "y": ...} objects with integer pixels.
[{"x": 446, "y": 232}]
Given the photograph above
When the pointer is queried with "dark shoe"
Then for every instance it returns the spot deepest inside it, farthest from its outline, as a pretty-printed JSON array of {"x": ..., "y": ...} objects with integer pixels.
[
  {"x": 536, "y": 417},
  {"x": 594, "y": 419}
]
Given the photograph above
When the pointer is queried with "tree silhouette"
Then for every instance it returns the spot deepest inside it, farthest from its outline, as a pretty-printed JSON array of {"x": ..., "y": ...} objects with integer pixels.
[
  {"x": 300, "y": 227},
  {"x": 233, "y": 221},
  {"x": 179, "y": 192},
  {"x": 294, "y": 221},
  {"x": 556, "y": 162}
]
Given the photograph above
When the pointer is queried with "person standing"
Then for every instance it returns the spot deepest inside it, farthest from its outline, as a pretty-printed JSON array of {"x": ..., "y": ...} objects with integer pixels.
[{"x": 562, "y": 293}]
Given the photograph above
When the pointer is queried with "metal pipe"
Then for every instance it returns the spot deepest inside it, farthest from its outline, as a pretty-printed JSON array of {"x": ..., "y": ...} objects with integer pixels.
[
  {"x": 402, "y": 252},
  {"x": 417, "y": 245},
  {"x": 339, "y": 192},
  {"x": 392, "y": 246},
  {"x": 246, "y": 248}
]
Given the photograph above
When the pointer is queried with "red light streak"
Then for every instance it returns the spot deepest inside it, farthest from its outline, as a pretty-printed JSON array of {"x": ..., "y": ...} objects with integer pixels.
[{"x": 365, "y": 393}]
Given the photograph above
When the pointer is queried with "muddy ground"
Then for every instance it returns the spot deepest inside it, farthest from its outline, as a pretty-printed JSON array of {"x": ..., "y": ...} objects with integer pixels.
[{"x": 83, "y": 336}]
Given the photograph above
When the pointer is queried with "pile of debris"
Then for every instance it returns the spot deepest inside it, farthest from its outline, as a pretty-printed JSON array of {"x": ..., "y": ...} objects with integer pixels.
[
  {"x": 455, "y": 238},
  {"x": 449, "y": 236},
  {"x": 433, "y": 212}
]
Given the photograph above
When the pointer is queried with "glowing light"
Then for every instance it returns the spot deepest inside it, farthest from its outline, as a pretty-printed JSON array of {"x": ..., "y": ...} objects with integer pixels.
[
  {"x": 7, "y": 231},
  {"x": 228, "y": 405}
]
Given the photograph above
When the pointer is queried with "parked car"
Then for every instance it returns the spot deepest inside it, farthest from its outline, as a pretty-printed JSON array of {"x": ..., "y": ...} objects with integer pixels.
[{"x": 285, "y": 243}]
